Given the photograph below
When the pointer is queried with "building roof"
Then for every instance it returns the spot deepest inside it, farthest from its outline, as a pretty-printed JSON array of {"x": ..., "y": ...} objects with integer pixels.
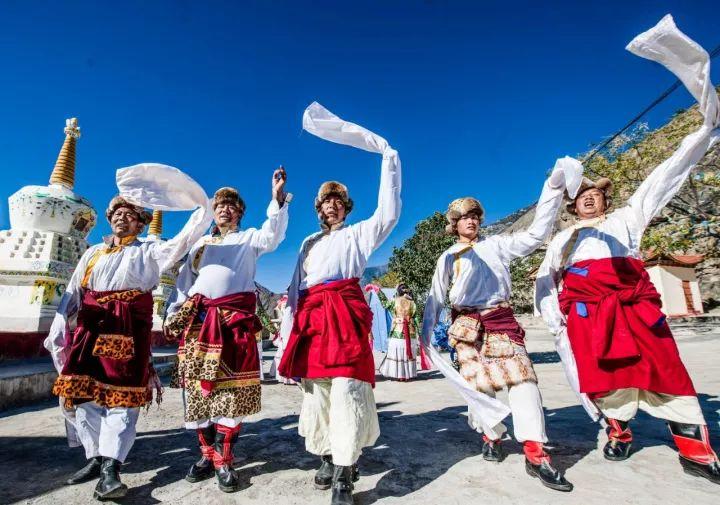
[{"x": 684, "y": 260}]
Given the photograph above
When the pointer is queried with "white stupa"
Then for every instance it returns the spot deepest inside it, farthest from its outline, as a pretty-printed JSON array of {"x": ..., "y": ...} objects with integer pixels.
[{"x": 48, "y": 230}]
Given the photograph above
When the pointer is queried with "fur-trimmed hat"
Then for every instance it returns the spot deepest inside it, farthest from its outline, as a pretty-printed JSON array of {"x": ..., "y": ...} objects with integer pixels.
[
  {"x": 144, "y": 216},
  {"x": 333, "y": 188},
  {"x": 460, "y": 207},
  {"x": 231, "y": 196},
  {"x": 603, "y": 184}
]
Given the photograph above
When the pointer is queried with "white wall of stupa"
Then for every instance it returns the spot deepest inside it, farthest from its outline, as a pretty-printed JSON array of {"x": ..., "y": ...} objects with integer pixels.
[{"x": 49, "y": 226}]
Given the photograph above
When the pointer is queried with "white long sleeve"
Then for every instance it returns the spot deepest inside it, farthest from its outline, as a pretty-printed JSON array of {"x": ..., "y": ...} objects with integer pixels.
[
  {"x": 222, "y": 265},
  {"x": 524, "y": 242}
]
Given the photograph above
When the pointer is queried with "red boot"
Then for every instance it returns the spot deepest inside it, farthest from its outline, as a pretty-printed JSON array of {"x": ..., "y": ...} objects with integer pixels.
[
  {"x": 696, "y": 454},
  {"x": 228, "y": 479},
  {"x": 203, "y": 468},
  {"x": 619, "y": 440},
  {"x": 537, "y": 464}
]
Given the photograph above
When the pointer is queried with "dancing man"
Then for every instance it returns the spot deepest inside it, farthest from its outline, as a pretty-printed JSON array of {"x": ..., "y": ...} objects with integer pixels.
[
  {"x": 474, "y": 274},
  {"x": 619, "y": 353},
  {"x": 329, "y": 319},
  {"x": 214, "y": 318},
  {"x": 105, "y": 366}
]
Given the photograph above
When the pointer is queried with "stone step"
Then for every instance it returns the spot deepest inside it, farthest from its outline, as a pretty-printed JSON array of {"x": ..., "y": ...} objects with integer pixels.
[{"x": 23, "y": 382}]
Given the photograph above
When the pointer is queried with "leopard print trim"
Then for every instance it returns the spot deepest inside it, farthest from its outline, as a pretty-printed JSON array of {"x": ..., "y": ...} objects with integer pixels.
[
  {"x": 85, "y": 388},
  {"x": 123, "y": 296},
  {"x": 229, "y": 402},
  {"x": 177, "y": 323},
  {"x": 114, "y": 346},
  {"x": 488, "y": 374}
]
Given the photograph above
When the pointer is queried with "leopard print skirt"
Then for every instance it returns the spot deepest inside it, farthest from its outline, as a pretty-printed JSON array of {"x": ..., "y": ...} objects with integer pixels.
[{"x": 223, "y": 402}]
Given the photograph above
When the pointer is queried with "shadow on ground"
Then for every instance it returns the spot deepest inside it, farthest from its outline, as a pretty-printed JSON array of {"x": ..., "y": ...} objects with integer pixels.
[{"x": 402, "y": 454}]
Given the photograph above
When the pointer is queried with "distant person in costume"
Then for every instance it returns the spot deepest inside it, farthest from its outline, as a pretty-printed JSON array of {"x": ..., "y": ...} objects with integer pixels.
[{"x": 400, "y": 362}]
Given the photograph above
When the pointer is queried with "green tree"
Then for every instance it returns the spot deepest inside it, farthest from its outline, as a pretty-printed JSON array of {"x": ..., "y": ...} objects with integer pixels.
[{"x": 414, "y": 262}]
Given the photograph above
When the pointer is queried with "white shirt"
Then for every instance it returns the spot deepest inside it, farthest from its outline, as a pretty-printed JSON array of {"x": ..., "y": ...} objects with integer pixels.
[
  {"x": 480, "y": 278},
  {"x": 619, "y": 233},
  {"x": 134, "y": 266},
  {"x": 344, "y": 253},
  {"x": 227, "y": 264}
]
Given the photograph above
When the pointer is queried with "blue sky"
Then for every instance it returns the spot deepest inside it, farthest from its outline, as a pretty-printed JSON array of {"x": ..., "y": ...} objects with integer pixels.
[{"x": 479, "y": 98}]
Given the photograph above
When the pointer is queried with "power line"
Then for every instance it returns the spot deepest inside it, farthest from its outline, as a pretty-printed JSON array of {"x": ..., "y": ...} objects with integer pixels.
[{"x": 647, "y": 109}]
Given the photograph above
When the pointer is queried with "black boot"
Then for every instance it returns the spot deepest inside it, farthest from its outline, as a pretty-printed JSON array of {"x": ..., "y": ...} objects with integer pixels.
[
  {"x": 86, "y": 473},
  {"x": 696, "y": 454},
  {"x": 324, "y": 475},
  {"x": 225, "y": 438},
  {"x": 549, "y": 476},
  {"x": 619, "y": 441},
  {"x": 342, "y": 486},
  {"x": 109, "y": 485},
  {"x": 492, "y": 450},
  {"x": 203, "y": 468}
]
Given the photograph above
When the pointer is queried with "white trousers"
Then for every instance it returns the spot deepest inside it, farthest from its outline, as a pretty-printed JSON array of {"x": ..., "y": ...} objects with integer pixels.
[
  {"x": 527, "y": 414},
  {"x": 338, "y": 417},
  {"x": 230, "y": 422},
  {"x": 623, "y": 404},
  {"x": 107, "y": 432}
]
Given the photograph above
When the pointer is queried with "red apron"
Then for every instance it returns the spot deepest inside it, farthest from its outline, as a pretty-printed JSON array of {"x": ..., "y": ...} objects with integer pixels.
[
  {"x": 224, "y": 352},
  {"x": 618, "y": 334},
  {"x": 109, "y": 357},
  {"x": 330, "y": 334}
]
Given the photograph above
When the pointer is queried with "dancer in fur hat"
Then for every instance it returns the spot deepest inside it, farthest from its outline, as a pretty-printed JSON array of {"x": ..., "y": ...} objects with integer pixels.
[
  {"x": 104, "y": 365},
  {"x": 329, "y": 320},
  {"x": 214, "y": 317},
  {"x": 474, "y": 273},
  {"x": 619, "y": 353}
]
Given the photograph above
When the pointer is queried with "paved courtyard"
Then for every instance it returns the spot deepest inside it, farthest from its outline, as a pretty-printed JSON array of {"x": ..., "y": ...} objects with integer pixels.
[{"x": 426, "y": 454}]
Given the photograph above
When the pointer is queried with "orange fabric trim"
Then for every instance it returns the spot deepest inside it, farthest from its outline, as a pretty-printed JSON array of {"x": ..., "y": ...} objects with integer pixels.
[
  {"x": 101, "y": 252},
  {"x": 84, "y": 387},
  {"x": 114, "y": 346}
]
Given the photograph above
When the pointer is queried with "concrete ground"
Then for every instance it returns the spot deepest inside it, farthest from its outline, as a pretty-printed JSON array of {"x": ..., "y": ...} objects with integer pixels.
[{"x": 425, "y": 455}]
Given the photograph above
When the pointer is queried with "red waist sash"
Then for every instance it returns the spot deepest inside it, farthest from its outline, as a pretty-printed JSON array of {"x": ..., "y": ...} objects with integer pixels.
[
  {"x": 617, "y": 331},
  {"x": 330, "y": 332},
  {"x": 224, "y": 352},
  {"x": 500, "y": 320}
]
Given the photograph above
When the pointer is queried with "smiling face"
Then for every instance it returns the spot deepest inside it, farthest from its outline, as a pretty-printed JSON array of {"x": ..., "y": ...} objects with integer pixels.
[
  {"x": 590, "y": 203},
  {"x": 468, "y": 227},
  {"x": 227, "y": 215},
  {"x": 125, "y": 222},
  {"x": 332, "y": 210}
]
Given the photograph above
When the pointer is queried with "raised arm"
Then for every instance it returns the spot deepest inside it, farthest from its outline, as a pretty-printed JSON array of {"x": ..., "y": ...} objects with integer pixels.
[
  {"x": 666, "y": 179},
  {"x": 522, "y": 243},
  {"x": 690, "y": 63},
  {"x": 373, "y": 231},
  {"x": 436, "y": 297},
  {"x": 272, "y": 232},
  {"x": 171, "y": 251}
]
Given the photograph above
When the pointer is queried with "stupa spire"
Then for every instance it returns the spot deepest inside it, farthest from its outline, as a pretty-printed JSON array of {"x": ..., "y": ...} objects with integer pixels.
[
  {"x": 64, "y": 171},
  {"x": 156, "y": 224}
]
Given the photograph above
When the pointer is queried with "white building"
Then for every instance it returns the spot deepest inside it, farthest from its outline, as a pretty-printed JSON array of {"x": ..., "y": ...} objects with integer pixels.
[
  {"x": 674, "y": 277},
  {"x": 48, "y": 230}
]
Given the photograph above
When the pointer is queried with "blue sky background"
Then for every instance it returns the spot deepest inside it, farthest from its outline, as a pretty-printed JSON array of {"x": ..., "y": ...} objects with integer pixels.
[{"x": 479, "y": 98}]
